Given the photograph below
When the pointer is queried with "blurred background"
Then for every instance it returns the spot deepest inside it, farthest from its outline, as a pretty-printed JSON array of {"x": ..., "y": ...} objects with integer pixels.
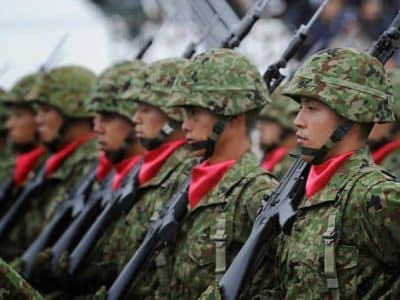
[{"x": 100, "y": 32}]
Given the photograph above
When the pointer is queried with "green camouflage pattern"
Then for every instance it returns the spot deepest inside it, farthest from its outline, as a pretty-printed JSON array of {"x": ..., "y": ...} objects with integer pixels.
[
  {"x": 157, "y": 88},
  {"x": 21, "y": 90},
  {"x": 43, "y": 205},
  {"x": 112, "y": 83},
  {"x": 367, "y": 237},
  {"x": 223, "y": 81},
  {"x": 395, "y": 78},
  {"x": 3, "y": 110},
  {"x": 7, "y": 163},
  {"x": 120, "y": 241},
  {"x": 283, "y": 166},
  {"x": 237, "y": 196},
  {"x": 281, "y": 110},
  {"x": 13, "y": 286},
  {"x": 391, "y": 163},
  {"x": 352, "y": 83},
  {"x": 65, "y": 88}
]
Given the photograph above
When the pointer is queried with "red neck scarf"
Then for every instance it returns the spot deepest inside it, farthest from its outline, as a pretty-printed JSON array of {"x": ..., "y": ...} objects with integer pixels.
[
  {"x": 320, "y": 175},
  {"x": 54, "y": 161},
  {"x": 273, "y": 157},
  {"x": 380, "y": 154},
  {"x": 154, "y": 159},
  {"x": 103, "y": 168},
  {"x": 205, "y": 177},
  {"x": 24, "y": 163},
  {"x": 122, "y": 169}
]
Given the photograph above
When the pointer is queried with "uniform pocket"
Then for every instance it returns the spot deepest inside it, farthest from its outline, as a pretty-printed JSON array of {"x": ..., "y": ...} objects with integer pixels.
[{"x": 202, "y": 249}]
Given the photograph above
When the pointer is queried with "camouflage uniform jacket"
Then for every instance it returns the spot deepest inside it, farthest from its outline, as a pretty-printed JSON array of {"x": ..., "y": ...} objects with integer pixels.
[
  {"x": 42, "y": 205},
  {"x": 13, "y": 286},
  {"x": 359, "y": 209},
  {"x": 234, "y": 201},
  {"x": 14, "y": 191},
  {"x": 6, "y": 163},
  {"x": 391, "y": 163},
  {"x": 120, "y": 241},
  {"x": 282, "y": 166}
]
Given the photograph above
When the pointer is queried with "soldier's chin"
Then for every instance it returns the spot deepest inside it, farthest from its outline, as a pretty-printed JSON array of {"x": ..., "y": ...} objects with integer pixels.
[{"x": 198, "y": 153}]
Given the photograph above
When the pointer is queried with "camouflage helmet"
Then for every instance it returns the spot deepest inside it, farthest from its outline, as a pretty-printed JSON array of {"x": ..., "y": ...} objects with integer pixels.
[
  {"x": 352, "y": 83},
  {"x": 158, "y": 85},
  {"x": 20, "y": 91},
  {"x": 112, "y": 83},
  {"x": 282, "y": 109},
  {"x": 66, "y": 88},
  {"x": 223, "y": 81},
  {"x": 3, "y": 110},
  {"x": 395, "y": 78}
]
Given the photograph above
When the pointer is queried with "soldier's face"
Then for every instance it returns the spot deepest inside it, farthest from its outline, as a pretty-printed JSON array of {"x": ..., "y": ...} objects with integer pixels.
[
  {"x": 49, "y": 122},
  {"x": 197, "y": 126},
  {"x": 270, "y": 133},
  {"x": 149, "y": 120},
  {"x": 315, "y": 123},
  {"x": 21, "y": 125},
  {"x": 111, "y": 130}
]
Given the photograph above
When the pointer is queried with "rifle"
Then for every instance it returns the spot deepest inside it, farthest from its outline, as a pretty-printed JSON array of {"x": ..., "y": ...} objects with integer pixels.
[
  {"x": 144, "y": 48},
  {"x": 8, "y": 220},
  {"x": 161, "y": 231},
  {"x": 120, "y": 204},
  {"x": 278, "y": 210},
  {"x": 241, "y": 30},
  {"x": 82, "y": 222},
  {"x": 71, "y": 206},
  {"x": 388, "y": 42},
  {"x": 167, "y": 226},
  {"x": 272, "y": 76}
]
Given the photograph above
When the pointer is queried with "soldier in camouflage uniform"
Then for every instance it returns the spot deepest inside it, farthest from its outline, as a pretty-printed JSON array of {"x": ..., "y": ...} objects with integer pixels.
[
  {"x": 27, "y": 155},
  {"x": 13, "y": 286},
  {"x": 65, "y": 128},
  {"x": 345, "y": 240},
  {"x": 221, "y": 93},
  {"x": 384, "y": 139},
  {"x": 165, "y": 166},
  {"x": 277, "y": 138}
]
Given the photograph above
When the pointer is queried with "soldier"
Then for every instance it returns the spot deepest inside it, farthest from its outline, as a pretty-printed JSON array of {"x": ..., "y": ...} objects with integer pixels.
[
  {"x": 277, "y": 138},
  {"x": 221, "y": 93},
  {"x": 345, "y": 239},
  {"x": 165, "y": 166},
  {"x": 13, "y": 286},
  {"x": 384, "y": 139},
  {"x": 27, "y": 154},
  {"x": 65, "y": 129}
]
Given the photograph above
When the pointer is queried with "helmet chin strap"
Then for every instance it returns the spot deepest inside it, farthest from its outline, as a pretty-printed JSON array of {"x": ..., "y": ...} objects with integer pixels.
[
  {"x": 209, "y": 144},
  {"x": 319, "y": 154},
  {"x": 115, "y": 156},
  {"x": 169, "y": 127}
]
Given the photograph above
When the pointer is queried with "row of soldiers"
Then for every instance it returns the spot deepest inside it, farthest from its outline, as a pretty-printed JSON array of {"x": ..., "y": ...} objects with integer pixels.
[{"x": 141, "y": 132}]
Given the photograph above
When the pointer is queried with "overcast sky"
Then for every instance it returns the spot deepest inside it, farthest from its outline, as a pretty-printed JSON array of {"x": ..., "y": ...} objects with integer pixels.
[{"x": 29, "y": 31}]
